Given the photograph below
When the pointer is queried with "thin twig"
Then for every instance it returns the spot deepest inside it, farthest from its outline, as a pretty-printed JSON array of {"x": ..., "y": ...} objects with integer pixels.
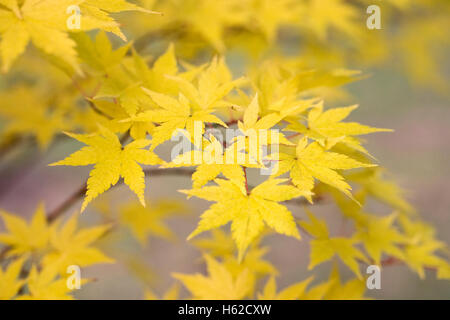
[
  {"x": 58, "y": 211},
  {"x": 78, "y": 194}
]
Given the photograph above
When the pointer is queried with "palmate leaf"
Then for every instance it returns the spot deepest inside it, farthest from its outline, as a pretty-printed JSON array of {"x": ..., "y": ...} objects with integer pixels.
[
  {"x": 295, "y": 291},
  {"x": 44, "y": 23},
  {"x": 10, "y": 280},
  {"x": 324, "y": 247},
  {"x": 45, "y": 284},
  {"x": 25, "y": 238},
  {"x": 212, "y": 161},
  {"x": 248, "y": 213},
  {"x": 334, "y": 289},
  {"x": 252, "y": 127},
  {"x": 149, "y": 220},
  {"x": 28, "y": 112},
  {"x": 174, "y": 114},
  {"x": 112, "y": 161},
  {"x": 125, "y": 84},
  {"x": 312, "y": 161},
  {"x": 221, "y": 245},
  {"x": 71, "y": 245},
  {"x": 327, "y": 127},
  {"x": 220, "y": 283}
]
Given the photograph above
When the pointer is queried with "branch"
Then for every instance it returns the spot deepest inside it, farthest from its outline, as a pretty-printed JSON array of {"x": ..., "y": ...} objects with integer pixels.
[{"x": 78, "y": 194}]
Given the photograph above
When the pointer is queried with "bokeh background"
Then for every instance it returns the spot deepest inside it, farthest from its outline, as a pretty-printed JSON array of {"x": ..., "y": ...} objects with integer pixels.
[{"x": 416, "y": 155}]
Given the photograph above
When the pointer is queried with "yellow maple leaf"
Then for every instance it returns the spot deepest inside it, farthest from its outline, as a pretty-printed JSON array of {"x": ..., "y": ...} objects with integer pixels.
[
  {"x": 222, "y": 245},
  {"x": 112, "y": 161},
  {"x": 313, "y": 161},
  {"x": 324, "y": 247},
  {"x": 336, "y": 290},
  {"x": 219, "y": 285},
  {"x": 377, "y": 186},
  {"x": 321, "y": 15},
  {"x": 45, "y": 284},
  {"x": 328, "y": 124},
  {"x": 255, "y": 132},
  {"x": 444, "y": 271},
  {"x": 327, "y": 127},
  {"x": 270, "y": 15},
  {"x": 211, "y": 87},
  {"x": 378, "y": 234},
  {"x": 422, "y": 250},
  {"x": 175, "y": 114},
  {"x": 114, "y": 120},
  {"x": 38, "y": 21},
  {"x": 125, "y": 84},
  {"x": 27, "y": 111},
  {"x": 98, "y": 54},
  {"x": 149, "y": 220},
  {"x": 295, "y": 291},
  {"x": 247, "y": 212},
  {"x": 74, "y": 247},
  {"x": 25, "y": 238},
  {"x": 207, "y": 20},
  {"x": 211, "y": 161},
  {"x": 10, "y": 281}
]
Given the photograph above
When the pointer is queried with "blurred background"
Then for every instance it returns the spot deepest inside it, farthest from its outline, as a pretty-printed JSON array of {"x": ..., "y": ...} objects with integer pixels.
[{"x": 416, "y": 155}]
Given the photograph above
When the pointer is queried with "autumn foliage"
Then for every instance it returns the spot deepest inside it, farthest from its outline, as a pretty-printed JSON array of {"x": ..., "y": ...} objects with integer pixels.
[{"x": 124, "y": 100}]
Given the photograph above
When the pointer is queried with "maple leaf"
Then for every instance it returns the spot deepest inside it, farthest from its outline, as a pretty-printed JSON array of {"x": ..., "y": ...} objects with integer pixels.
[
  {"x": 115, "y": 120},
  {"x": 326, "y": 127},
  {"x": 421, "y": 251},
  {"x": 313, "y": 161},
  {"x": 99, "y": 54},
  {"x": 27, "y": 112},
  {"x": 254, "y": 261},
  {"x": 295, "y": 291},
  {"x": 247, "y": 212},
  {"x": 321, "y": 15},
  {"x": 9, "y": 278},
  {"x": 211, "y": 87},
  {"x": 377, "y": 186},
  {"x": 149, "y": 220},
  {"x": 252, "y": 128},
  {"x": 335, "y": 290},
  {"x": 207, "y": 19},
  {"x": 39, "y": 21},
  {"x": 378, "y": 234},
  {"x": 444, "y": 270},
  {"x": 125, "y": 83},
  {"x": 46, "y": 285},
  {"x": 423, "y": 255},
  {"x": 270, "y": 16},
  {"x": 280, "y": 84},
  {"x": 324, "y": 248},
  {"x": 222, "y": 245},
  {"x": 175, "y": 114},
  {"x": 73, "y": 247},
  {"x": 276, "y": 91},
  {"x": 219, "y": 285},
  {"x": 212, "y": 161},
  {"x": 112, "y": 161},
  {"x": 327, "y": 124},
  {"x": 25, "y": 238}
]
